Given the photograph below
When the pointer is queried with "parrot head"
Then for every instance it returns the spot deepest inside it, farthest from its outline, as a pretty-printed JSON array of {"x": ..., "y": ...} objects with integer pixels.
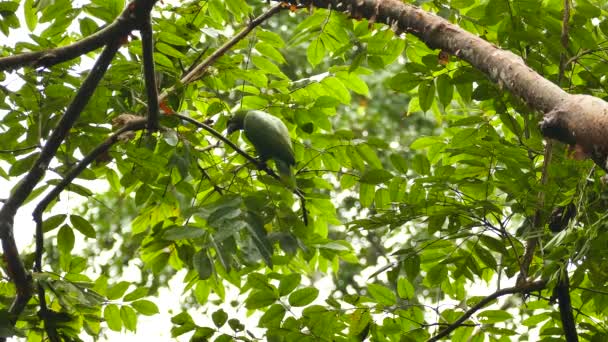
[{"x": 236, "y": 122}]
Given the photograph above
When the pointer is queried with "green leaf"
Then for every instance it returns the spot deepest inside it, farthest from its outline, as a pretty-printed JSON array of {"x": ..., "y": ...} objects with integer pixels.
[
  {"x": 236, "y": 325},
  {"x": 269, "y": 51},
  {"x": 53, "y": 222},
  {"x": 260, "y": 298},
  {"x": 219, "y": 318},
  {"x": 445, "y": 89},
  {"x": 273, "y": 316},
  {"x": 369, "y": 155},
  {"x": 288, "y": 283},
  {"x": 111, "y": 314},
  {"x": 202, "y": 264},
  {"x": 411, "y": 265},
  {"x": 405, "y": 289},
  {"x": 83, "y": 226},
  {"x": 366, "y": 194},
  {"x": 494, "y": 316},
  {"x": 65, "y": 240},
  {"x": 353, "y": 82},
  {"x": 145, "y": 307},
  {"x": 182, "y": 233},
  {"x": 303, "y": 297},
  {"x": 315, "y": 52},
  {"x": 129, "y": 317},
  {"x": 426, "y": 95},
  {"x": 88, "y": 26},
  {"x": 138, "y": 293},
  {"x": 260, "y": 239},
  {"x": 382, "y": 294},
  {"x": 404, "y": 82},
  {"x": 171, "y": 38},
  {"x": 118, "y": 290},
  {"x": 30, "y": 13},
  {"x": 359, "y": 320},
  {"x": 399, "y": 162},
  {"x": 168, "y": 50},
  {"x": 376, "y": 176},
  {"x": 437, "y": 274}
]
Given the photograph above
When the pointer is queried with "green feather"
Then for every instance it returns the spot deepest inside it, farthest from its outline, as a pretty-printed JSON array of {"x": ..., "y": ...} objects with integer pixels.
[{"x": 270, "y": 137}]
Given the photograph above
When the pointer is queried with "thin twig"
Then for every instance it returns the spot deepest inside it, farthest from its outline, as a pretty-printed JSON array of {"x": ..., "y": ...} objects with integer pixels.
[
  {"x": 259, "y": 164},
  {"x": 537, "y": 223},
  {"x": 20, "y": 149},
  {"x": 521, "y": 288},
  {"x": 200, "y": 69}
]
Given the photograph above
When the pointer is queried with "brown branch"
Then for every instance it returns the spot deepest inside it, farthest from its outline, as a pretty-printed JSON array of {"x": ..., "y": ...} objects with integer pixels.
[
  {"x": 501, "y": 66},
  {"x": 147, "y": 43},
  {"x": 100, "y": 149},
  {"x": 125, "y": 23},
  {"x": 43, "y": 204},
  {"x": 17, "y": 272},
  {"x": 198, "y": 71},
  {"x": 522, "y": 288}
]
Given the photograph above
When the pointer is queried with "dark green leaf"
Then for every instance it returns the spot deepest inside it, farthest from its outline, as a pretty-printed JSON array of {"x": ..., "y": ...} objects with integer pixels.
[{"x": 219, "y": 318}]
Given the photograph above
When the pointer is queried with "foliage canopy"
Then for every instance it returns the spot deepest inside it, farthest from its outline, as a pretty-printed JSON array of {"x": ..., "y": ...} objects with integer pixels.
[{"x": 424, "y": 183}]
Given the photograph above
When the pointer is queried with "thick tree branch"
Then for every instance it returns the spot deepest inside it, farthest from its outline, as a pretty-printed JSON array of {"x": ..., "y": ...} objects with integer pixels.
[
  {"x": 17, "y": 272},
  {"x": 43, "y": 204},
  {"x": 572, "y": 119},
  {"x": 25, "y": 187},
  {"x": 125, "y": 23},
  {"x": 133, "y": 125},
  {"x": 198, "y": 71},
  {"x": 522, "y": 288},
  {"x": 147, "y": 43}
]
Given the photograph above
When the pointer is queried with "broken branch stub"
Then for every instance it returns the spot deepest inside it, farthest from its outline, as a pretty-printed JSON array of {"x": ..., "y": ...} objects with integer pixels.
[{"x": 580, "y": 121}]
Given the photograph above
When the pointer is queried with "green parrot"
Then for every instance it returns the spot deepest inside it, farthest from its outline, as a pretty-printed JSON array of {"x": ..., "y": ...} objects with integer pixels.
[{"x": 271, "y": 140}]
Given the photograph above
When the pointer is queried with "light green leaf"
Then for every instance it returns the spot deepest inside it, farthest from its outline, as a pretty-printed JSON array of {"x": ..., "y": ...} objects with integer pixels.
[
  {"x": 303, "y": 297},
  {"x": 145, "y": 307},
  {"x": 111, "y": 314},
  {"x": 315, "y": 52},
  {"x": 382, "y": 294}
]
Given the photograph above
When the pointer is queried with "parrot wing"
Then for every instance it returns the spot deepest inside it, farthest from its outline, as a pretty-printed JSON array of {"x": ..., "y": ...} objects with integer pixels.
[{"x": 269, "y": 136}]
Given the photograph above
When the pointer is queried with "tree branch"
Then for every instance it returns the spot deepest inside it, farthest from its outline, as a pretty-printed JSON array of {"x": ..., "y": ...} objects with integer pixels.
[
  {"x": 133, "y": 125},
  {"x": 147, "y": 43},
  {"x": 198, "y": 71},
  {"x": 571, "y": 119},
  {"x": 522, "y": 288},
  {"x": 17, "y": 272},
  {"x": 125, "y": 23},
  {"x": 260, "y": 165},
  {"x": 43, "y": 204}
]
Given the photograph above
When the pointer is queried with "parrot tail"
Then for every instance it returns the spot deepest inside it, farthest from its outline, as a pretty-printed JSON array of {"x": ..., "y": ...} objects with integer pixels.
[{"x": 286, "y": 173}]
